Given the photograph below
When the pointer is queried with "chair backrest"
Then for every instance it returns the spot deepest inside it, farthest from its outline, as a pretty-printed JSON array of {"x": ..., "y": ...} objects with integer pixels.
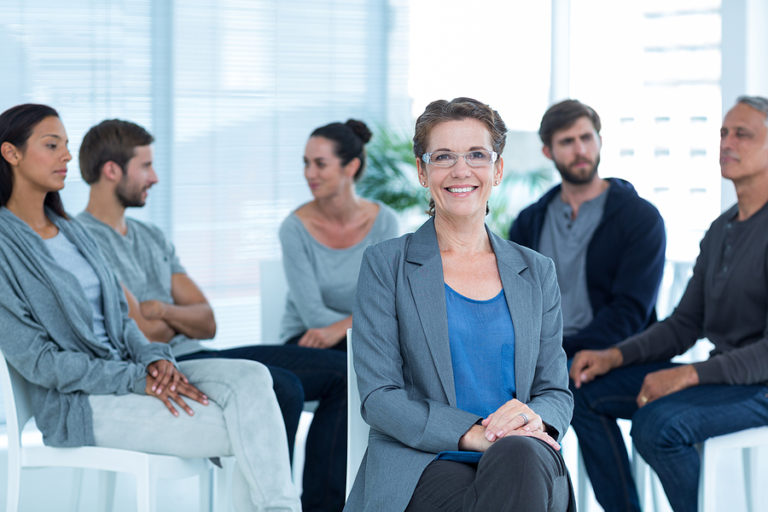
[
  {"x": 17, "y": 404},
  {"x": 357, "y": 428},
  {"x": 274, "y": 290}
]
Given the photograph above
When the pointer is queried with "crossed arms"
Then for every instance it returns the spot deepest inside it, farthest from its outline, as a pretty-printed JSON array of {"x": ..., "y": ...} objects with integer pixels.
[{"x": 190, "y": 314}]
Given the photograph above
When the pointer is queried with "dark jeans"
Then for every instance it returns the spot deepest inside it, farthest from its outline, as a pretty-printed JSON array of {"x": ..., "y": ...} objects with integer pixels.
[
  {"x": 300, "y": 374},
  {"x": 516, "y": 473},
  {"x": 340, "y": 345},
  {"x": 665, "y": 432}
]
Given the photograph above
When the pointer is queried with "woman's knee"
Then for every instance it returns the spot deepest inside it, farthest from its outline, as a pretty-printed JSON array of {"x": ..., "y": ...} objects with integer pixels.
[
  {"x": 236, "y": 371},
  {"x": 523, "y": 454},
  {"x": 288, "y": 388}
]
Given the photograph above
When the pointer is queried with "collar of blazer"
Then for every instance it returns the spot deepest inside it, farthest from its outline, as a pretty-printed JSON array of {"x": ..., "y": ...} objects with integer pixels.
[{"x": 425, "y": 277}]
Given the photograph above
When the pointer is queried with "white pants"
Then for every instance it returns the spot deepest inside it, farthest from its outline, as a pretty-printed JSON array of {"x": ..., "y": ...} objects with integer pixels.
[{"x": 241, "y": 419}]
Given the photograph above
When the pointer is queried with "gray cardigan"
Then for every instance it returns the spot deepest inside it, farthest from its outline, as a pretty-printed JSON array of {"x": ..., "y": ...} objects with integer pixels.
[
  {"x": 403, "y": 360},
  {"x": 47, "y": 331}
]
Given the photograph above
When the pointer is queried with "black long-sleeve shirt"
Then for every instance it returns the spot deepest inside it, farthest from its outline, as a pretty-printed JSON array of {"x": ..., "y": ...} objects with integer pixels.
[{"x": 726, "y": 301}]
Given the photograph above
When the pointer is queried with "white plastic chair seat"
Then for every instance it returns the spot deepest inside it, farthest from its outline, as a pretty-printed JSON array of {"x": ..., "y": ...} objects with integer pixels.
[
  {"x": 146, "y": 468},
  {"x": 711, "y": 452},
  {"x": 713, "y": 449}
]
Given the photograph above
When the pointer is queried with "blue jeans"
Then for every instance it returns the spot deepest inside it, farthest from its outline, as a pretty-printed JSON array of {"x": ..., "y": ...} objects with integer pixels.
[
  {"x": 665, "y": 432},
  {"x": 299, "y": 374}
]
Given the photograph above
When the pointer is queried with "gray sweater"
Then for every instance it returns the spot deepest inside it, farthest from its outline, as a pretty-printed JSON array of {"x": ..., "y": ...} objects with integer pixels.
[
  {"x": 47, "y": 331},
  {"x": 322, "y": 281},
  {"x": 726, "y": 301}
]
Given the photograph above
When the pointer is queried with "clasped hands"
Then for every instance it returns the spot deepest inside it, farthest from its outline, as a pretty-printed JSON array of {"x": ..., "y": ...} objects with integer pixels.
[
  {"x": 168, "y": 384},
  {"x": 589, "y": 364},
  {"x": 320, "y": 337},
  {"x": 514, "y": 418}
]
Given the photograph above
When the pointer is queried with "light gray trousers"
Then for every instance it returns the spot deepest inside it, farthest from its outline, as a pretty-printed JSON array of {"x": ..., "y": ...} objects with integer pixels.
[{"x": 242, "y": 419}]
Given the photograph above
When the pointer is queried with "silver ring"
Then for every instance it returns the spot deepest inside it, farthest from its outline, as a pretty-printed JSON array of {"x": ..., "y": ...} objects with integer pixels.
[{"x": 525, "y": 418}]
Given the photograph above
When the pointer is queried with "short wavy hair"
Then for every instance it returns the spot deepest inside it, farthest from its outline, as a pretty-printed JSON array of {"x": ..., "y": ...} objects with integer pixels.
[
  {"x": 455, "y": 110},
  {"x": 562, "y": 116},
  {"x": 112, "y": 140}
]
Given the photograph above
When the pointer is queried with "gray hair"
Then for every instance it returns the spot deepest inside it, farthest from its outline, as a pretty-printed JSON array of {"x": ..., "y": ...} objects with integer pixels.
[{"x": 757, "y": 102}]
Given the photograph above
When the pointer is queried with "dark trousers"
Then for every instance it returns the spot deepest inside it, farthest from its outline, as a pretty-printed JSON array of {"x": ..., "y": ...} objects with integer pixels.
[
  {"x": 340, "y": 345},
  {"x": 516, "y": 473},
  {"x": 300, "y": 374},
  {"x": 665, "y": 432}
]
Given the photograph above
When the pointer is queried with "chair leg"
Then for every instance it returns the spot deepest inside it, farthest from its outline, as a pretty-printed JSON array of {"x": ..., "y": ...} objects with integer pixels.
[
  {"x": 204, "y": 481},
  {"x": 639, "y": 473},
  {"x": 13, "y": 487},
  {"x": 582, "y": 482},
  {"x": 106, "y": 491},
  {"x": 77, "y": 489},
  {"x": 749, "y": 461},
  {"x": 222, "y": 488},
  {"x": 144, "y": 491},
  {"x": 707, "y": 479}
]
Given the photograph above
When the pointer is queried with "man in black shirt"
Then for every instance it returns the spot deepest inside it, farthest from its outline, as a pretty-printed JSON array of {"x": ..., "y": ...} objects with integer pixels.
[{"x": 673, "y": 407}]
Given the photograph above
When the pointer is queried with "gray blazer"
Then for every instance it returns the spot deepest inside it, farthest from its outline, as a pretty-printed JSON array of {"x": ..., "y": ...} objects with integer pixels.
[{"x": 403, "y": 360}]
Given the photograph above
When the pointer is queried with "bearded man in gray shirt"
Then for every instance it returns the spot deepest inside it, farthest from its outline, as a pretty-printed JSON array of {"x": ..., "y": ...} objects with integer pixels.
[
  {"x": 674, "y": 407},
  {"x": 168, "y": 306}
]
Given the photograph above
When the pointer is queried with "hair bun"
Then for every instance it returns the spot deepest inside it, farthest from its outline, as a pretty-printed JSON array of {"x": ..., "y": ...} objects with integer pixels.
[{"x": 360, "y": 129}]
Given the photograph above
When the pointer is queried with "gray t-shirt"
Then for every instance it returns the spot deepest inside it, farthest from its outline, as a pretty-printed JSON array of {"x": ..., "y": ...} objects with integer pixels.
[
  {"x": 144, "y": 261},
  {"x": 322, "y": 281},
  {"x": 68, "y": 256},
  {"x": 565, "y": 240}
]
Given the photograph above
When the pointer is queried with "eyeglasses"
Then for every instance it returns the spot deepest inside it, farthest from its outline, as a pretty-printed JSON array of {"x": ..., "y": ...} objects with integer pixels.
[{"x": 474, "y": 158}]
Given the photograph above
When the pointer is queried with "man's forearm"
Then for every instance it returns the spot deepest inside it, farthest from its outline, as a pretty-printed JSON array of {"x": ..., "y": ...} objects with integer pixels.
[
  {"x": 193, "y": 320},
  {"x": 156, "y": 330}
]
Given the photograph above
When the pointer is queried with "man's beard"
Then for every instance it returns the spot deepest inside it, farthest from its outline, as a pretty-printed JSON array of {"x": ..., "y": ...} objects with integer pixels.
[
  {"x": 129, "y": 198},
  {"x": 577, "y": 179}
]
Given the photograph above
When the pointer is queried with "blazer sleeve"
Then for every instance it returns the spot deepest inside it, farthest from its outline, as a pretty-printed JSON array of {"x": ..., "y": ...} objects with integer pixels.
[{"x": 389, "y": 402}]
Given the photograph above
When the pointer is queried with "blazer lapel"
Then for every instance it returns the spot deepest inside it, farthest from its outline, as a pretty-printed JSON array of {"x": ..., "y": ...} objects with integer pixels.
[
  {"x": 517, "y": 291},
  {"x": 427, "y": 287}
]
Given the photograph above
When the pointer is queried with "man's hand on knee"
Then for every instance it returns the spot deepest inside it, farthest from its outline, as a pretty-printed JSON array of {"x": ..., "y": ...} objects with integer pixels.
[
  {"x": 664, "y": 382},
  {"x": 588, "y": 364}
]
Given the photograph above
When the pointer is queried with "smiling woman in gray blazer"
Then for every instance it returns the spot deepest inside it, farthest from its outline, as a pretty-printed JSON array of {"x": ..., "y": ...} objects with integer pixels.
[{"x": 457, "y": 344}]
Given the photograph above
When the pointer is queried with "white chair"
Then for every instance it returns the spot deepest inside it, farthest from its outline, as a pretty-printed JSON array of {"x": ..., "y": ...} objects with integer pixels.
[
  {"x": 273, "y": 290},
  {"x": 643, "y": 474},
  {"x": 357, "y": 428},
  {"x": 713, "y": 449},
  {"x": 146, "y": 468}
]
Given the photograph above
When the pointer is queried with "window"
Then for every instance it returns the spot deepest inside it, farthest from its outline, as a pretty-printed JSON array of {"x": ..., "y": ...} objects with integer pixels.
[{"x": 231, "y": 91}]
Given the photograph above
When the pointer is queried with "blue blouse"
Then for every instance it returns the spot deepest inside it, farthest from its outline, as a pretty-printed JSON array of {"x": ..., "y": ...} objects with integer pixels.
[{"x": 482, "y": 341}]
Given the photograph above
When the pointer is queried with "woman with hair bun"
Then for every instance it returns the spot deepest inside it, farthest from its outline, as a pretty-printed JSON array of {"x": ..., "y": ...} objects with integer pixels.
[{"x": 323, "y": 240}]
